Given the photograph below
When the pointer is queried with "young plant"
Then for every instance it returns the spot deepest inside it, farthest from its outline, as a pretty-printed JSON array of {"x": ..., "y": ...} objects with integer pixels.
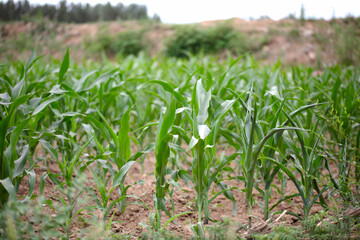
[
  {"x": 253, "y": 140},
  {"x": 162, "y": 153},
  {"x": 308, "y": 164},
  {"x": 15, "y": 113}
]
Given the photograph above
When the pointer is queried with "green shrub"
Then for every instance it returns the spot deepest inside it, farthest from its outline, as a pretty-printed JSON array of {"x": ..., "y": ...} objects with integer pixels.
[
  {"x": 102, "y": 42},
  {"x": 241, "y": 44},
  {"x": 191, "y": 40},
  {"x": 347, "y": 44},
  {"x": 185, "y": 41},
  {"x": 129, "y": 43},
  {"x": 294, "y": 34},
  {"x": 125, "y": 43}
]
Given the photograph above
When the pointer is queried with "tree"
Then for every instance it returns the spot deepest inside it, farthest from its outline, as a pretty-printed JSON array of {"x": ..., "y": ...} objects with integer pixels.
[{"x": 62, "y": 12}]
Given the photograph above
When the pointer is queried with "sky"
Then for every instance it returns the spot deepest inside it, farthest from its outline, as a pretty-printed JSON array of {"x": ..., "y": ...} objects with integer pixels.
[{"x": 191, "y": 11}]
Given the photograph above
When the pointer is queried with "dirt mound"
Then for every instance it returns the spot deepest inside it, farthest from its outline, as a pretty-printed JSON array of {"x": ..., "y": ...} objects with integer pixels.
[{"x": 289, "y": 40}]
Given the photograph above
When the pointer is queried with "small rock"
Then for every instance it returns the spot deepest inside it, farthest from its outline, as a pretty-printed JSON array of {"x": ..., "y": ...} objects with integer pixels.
[
  {"x": 307, "y": 33},
  {"x": 135, "y": 208},
  {"x": 312, "y": 55}
]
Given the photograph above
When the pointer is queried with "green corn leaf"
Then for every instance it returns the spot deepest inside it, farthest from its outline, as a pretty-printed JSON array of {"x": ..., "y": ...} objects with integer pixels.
[
  {"x": 5, "y": 165},
  {"x": 124, "y": 140},
  {"x": 100, "y": 186},
  {"x": 250, "y": 132},
  {"x": 228, "y": 194},
  {"x": 108, "y": 226},
  {"x": 32, "y": 180},
  {"x": 120, "y": 176},
  {"x": 284, "y": 199},
  {"x": 45, "y": 104},
  {"x": 20, "y": 163},
  {"x": 32, "y": 60},
  {"x": 42, "y": 182},
  {"x": 183, "y": 174},
  {"x": 14, "y": 138},
  {"x": 292, "y": 178},
  {"x": 99, "y": 126},
  {"x": 149, "y": 148},
  {"x": 112, "y": 204},
  {"x": 222, "y": 192},
  {"x": 221, "y": 165},
  {"x": 299, "y": 110},
  {"x": 18, "y": 90},
  {"x": 270, "y": 134},
  {"x": 203, "y": 102},
  {"x": 162, "y": 153},
  {"x": 96, "y": 199},
  {"x": 173, "y": 218},
  {"x": 164, "y": 125},
  {"x": 219, "y": 116},
  {"x": 76, "y": 157},
  {"x": 54, "y": 178},
  {"x": 204, "y": 131},
  {"x": 254, "y": 157},
  {"x": 167, "y": 87},
  {"x": 64, "y": 66},
  {"x": 8, "y": 185},
  {"x": 109, "y": 129},
  {"x": 180, "y": 131},
  {"x": 50, "y": 149}
]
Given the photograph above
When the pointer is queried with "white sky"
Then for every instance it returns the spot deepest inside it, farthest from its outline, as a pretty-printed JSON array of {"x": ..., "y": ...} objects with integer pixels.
[{"x": 190, "y": 11}]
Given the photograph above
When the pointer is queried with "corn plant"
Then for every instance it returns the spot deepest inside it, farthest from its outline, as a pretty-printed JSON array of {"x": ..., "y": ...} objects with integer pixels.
[
  {"x": 268, "y": 170},
  {"x": 250, "y": 142},
  {"x": 308, "y": 164},
  {"x": 16, "y": 109},
  {"x": 270, "y": 123},
  {"x": 162, "y": 153},
  {"x": 205, "y": 166}
]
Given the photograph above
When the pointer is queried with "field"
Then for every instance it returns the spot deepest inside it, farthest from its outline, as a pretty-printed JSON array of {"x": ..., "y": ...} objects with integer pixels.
[{"x": 180, "y": 147}]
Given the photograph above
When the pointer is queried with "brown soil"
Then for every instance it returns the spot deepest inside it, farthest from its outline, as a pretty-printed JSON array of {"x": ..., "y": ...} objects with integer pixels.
[
  {"x": 128, "y": 223},
  {"x": 288, "y": 40}
]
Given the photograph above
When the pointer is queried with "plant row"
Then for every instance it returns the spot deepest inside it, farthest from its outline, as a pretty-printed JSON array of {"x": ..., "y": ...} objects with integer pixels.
[{"x": 292, "y": 125}]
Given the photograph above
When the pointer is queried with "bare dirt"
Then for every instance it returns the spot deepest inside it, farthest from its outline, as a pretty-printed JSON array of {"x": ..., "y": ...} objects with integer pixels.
[
  {"x": 136, "y": 212},
  {"x": 288, "y": 40}
]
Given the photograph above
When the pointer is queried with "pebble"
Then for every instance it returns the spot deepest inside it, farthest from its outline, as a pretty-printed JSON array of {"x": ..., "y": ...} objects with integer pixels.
[{"x": 135, "y": 208}]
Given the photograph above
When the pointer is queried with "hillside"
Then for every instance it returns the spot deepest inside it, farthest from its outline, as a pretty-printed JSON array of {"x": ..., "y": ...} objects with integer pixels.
[{"x": 313, "y": 43}]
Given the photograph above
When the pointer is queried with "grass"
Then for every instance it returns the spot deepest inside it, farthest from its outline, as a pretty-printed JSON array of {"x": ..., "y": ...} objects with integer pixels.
[{"x": 282, "y": 123}]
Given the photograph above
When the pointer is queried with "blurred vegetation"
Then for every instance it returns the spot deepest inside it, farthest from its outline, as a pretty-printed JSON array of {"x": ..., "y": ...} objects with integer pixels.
[
  {"x": 72, "y": 13},
  {"x": 129, "y": 42},
  {"x": 330, "y": 42},
  {"x": 346, "y": 40},
  {"x": 192, "y": 40}
]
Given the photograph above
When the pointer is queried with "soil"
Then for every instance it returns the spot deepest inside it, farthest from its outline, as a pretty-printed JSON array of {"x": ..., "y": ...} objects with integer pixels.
[
  {"x": 135, "y": 213},
  {"x": 288, "y": 40}
]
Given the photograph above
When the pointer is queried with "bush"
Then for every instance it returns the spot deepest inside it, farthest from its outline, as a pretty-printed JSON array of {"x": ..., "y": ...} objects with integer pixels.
[
  {"x": 125, "y": 43},
  {"x": 347, "y": 44},
  {"x": 241, "y": 44},
  {"x": 129, "y": 43},
  {"x": 102, "y": 42},
  {"x": 193, "y": 40}
]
